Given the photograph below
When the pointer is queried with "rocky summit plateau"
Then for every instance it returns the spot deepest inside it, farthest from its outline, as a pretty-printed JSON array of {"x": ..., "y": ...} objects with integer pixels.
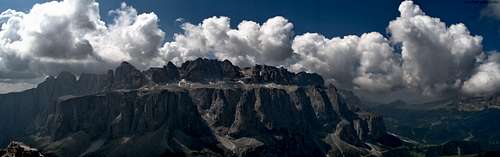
[{"x": 202, "y": 108}]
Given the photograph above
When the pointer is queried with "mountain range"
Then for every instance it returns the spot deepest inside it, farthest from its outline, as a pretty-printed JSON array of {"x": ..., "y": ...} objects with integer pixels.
[
  {"x": 459, "y": 118},
  {"x": 202, "y": 108}
]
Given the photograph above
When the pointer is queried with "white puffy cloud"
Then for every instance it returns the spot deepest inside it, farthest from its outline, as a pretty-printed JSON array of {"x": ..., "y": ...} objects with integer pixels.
[
  {"x": 250, "y": 43},
  {"x": 70, "y": 35},
  {"x": 486, "y": 79},
  {"x": 132, "y": 37},
  {"x": 436, "y": 58},
  {"x": 51, "y": 31},
  {"x": 365, "y": 62}
]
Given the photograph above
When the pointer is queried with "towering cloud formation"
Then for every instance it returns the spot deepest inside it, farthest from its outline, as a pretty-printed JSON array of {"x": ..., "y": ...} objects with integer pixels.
[
  {"x": 132, "y": 37},
  {"x": 365, "y": 62},
  {"x": 434, "y": 58}
]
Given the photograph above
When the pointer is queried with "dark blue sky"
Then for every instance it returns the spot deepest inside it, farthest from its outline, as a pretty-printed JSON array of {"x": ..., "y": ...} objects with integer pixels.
[{"x": 328, "y": 17}]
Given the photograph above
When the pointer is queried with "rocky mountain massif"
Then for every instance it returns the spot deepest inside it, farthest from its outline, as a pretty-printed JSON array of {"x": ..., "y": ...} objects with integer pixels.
[{"x": 202, "y": 108}]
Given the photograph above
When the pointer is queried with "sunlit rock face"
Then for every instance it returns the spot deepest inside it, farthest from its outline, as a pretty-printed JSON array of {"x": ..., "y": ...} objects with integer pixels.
[
  {"x": 19, "y": 149},
  {"x": 205, "y": 107}
]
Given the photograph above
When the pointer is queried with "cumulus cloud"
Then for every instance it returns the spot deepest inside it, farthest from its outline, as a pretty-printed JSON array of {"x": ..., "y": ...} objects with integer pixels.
[
  {"x": 433, "y": 58},
  {"x": 486, "y": 79},
  {"x": 436, "y": 58},
  {"x": 365, "y": 62},
  {"x": 70, "y": 35},
  {"x": 132, "y": 37},
  {"x": 249, "y": 44}
]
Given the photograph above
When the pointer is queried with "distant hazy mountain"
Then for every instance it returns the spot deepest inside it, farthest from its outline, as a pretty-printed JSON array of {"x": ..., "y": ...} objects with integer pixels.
[{"x": 461, "y": 118}]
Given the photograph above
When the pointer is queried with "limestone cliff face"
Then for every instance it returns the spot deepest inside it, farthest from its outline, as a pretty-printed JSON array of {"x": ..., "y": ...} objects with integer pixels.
[
  {"x": 246, "y": 121},
  {"x": 256, "y": 111},
  {"x": 20, "y": 111}
]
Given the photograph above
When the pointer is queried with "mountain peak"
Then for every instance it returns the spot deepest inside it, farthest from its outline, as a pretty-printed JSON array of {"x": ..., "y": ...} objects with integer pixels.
[
  {"x": 207, "y": 70},
  {"x": 126, "y": 64},
  {"x": 126, "y": 76},
  {"x": 170, "y": 64},
  {"x": 66, "y": 76}
]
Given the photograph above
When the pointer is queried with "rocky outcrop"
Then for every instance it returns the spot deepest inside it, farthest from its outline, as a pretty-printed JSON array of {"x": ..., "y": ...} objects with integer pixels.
[
  {"x": 206, "y": 70},
  {"x": 19, "y": 149},
  {"x": 92, "y": 83},
  {"x": 304, "y": 79},
  {"x": 268, "y": 74},
  {"x": 127, "y": 76},
  {"x": 373, "y": 123},
  {"x": 167, "y": 74}
]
